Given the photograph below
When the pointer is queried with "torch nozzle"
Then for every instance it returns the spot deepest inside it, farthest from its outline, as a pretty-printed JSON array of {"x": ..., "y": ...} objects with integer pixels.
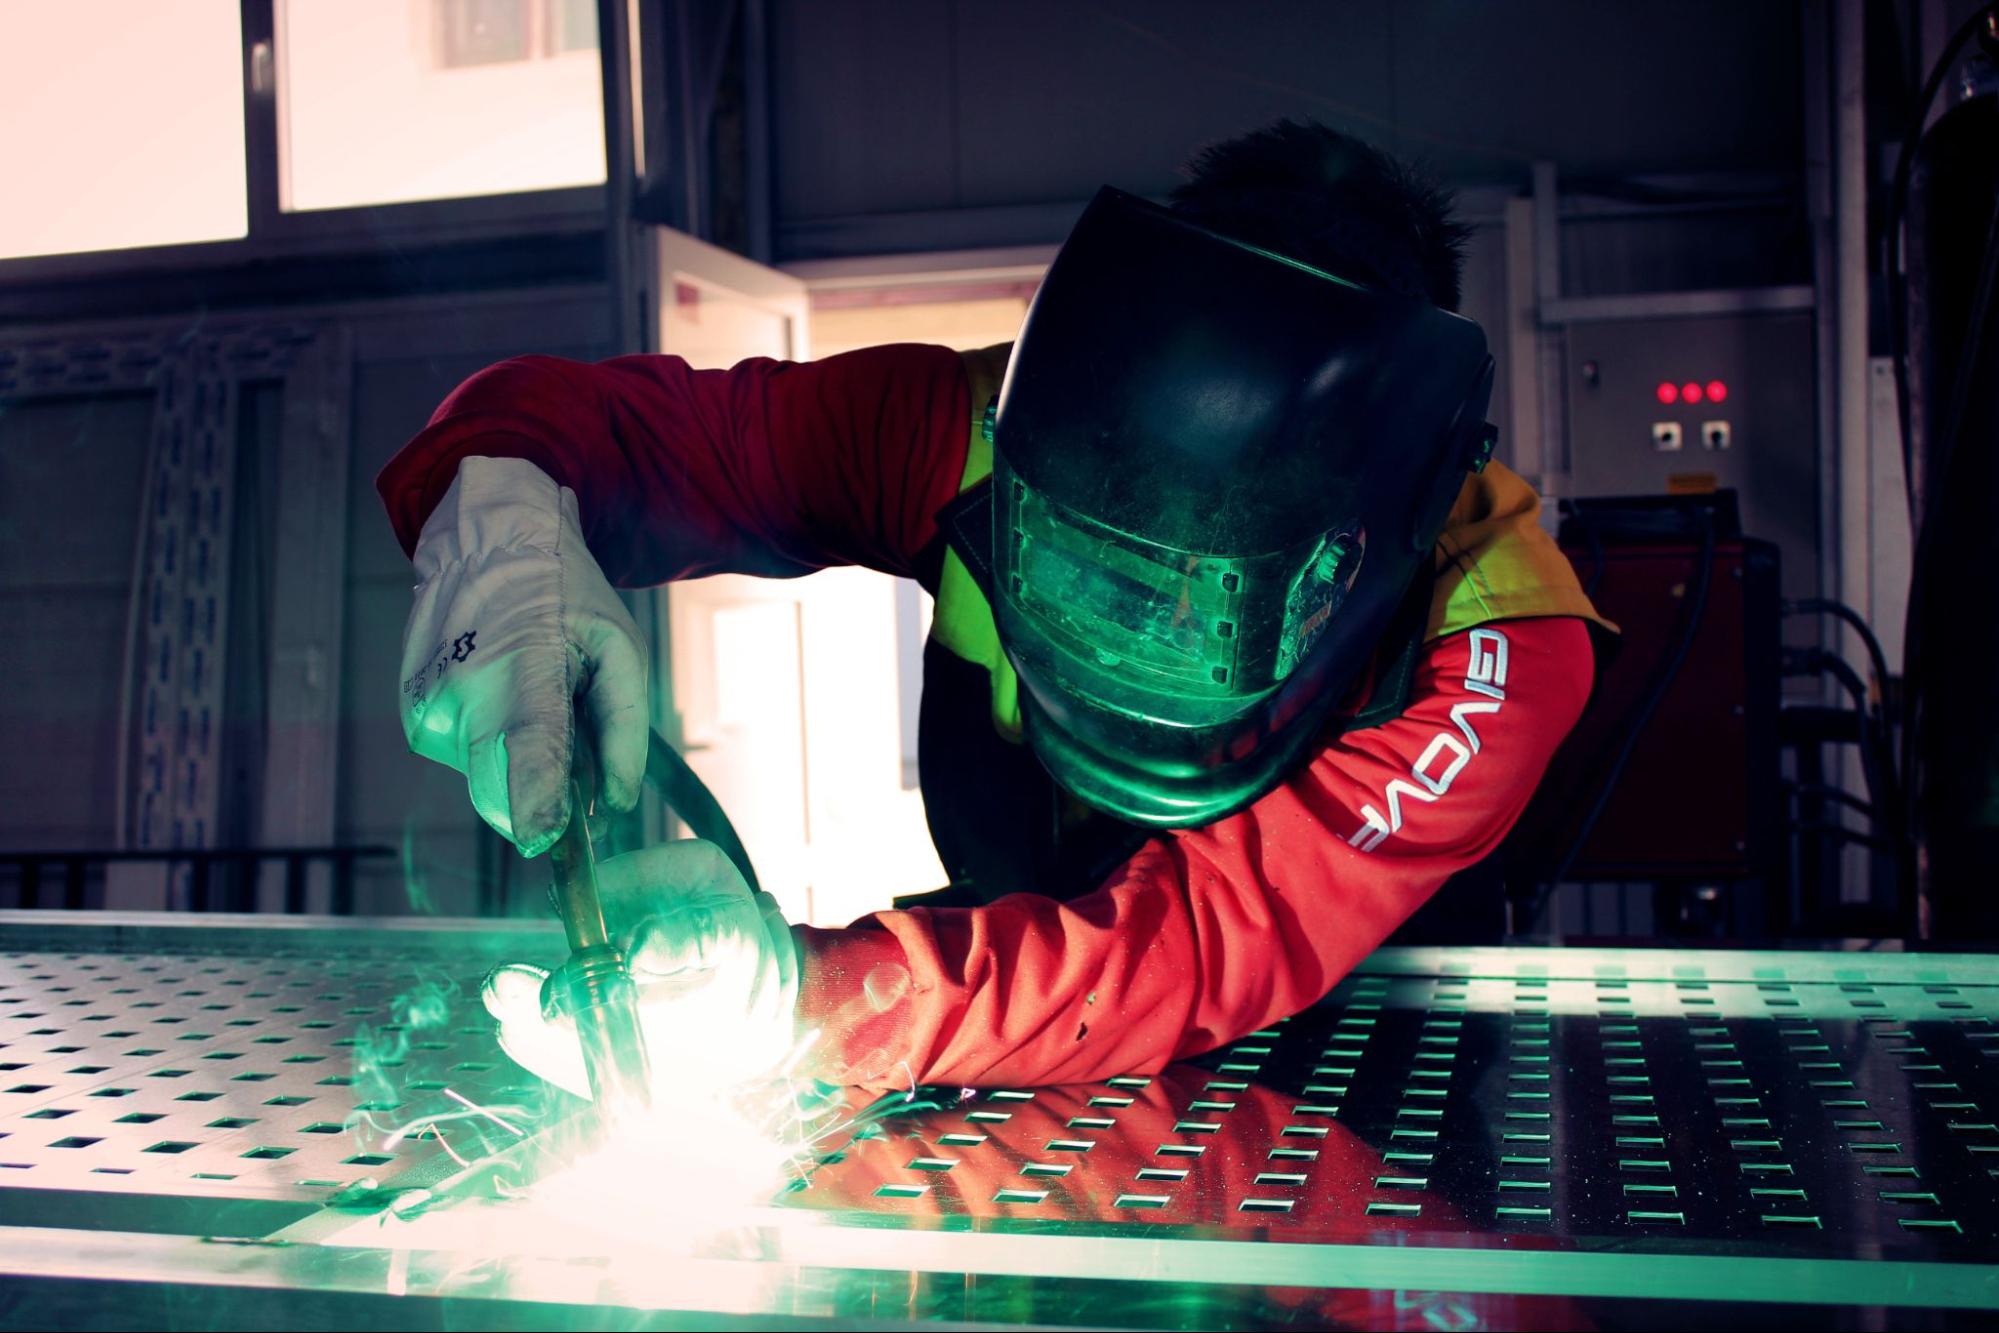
[{"x": 597, "y": 989}]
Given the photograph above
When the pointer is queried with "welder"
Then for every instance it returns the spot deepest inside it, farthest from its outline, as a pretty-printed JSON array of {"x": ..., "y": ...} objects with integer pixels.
[{"x": 1243, "y": 644}]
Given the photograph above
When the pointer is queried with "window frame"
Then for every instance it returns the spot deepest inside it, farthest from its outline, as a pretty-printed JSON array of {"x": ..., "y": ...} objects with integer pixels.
[{"x": 274, "y": 235}]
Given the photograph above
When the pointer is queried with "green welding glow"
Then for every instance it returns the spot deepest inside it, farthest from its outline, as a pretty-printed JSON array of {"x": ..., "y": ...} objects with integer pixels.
[
  {"x": 685, "y": 1169},
  {"x": 703, "y": 1161}
]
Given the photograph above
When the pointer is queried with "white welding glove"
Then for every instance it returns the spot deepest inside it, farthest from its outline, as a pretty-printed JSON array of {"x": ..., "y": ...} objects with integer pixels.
[
  {"x": 716, "y": 969},
  {"x": 513, "y": 619}
]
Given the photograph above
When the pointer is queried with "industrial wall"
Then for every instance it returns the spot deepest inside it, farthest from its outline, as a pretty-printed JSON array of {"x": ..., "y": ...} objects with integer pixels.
[{"x": 888, "y": 107}]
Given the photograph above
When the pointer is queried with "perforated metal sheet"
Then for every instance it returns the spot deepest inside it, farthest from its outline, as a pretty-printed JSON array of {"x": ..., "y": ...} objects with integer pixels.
[
  {"x": 234, "y": 1074},
  {"x": 1791, "y": 1106},
  {"x": 1517, "y": 1126}
]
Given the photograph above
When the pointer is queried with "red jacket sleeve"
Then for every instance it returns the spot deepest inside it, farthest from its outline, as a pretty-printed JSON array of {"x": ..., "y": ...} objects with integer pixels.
[
  {"x": 770, "y": 467},
  {"x": 1207, "y": 934}
]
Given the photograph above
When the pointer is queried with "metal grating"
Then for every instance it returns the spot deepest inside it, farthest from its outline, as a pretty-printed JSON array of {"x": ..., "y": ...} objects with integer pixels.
[
  {"x": 1633, "y": 1107},
  {"x": 1758, "y": 1106},
  {"x": 236, "y": 1076}
]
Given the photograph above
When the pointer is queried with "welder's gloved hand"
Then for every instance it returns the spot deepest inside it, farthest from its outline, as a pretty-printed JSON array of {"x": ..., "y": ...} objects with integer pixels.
[
  {"x": 715, "y": 964},
  {"x": 512, "y": 620}
]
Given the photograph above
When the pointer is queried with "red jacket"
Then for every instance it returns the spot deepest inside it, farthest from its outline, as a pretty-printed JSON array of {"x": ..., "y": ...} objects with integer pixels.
[{"x": 1205, "y": 934}]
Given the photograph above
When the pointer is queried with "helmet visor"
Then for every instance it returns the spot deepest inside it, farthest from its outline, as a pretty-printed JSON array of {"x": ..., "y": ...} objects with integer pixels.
[{"x": 1152, "y": 631}]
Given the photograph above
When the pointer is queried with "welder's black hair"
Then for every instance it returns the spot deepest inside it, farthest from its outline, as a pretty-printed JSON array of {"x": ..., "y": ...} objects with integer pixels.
[{"x": 1327, "y": 199}]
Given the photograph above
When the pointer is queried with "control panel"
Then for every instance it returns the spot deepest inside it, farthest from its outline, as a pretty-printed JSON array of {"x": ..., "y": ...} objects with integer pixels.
[{"x": 1683, "y": 405}]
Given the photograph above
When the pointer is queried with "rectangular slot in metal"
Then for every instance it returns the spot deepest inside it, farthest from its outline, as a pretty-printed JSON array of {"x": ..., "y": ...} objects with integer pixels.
[{"x": 1269, "y": 1206}]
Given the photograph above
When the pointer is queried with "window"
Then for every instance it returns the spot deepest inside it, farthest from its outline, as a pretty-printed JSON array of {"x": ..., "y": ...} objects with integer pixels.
[
  {"x": 391, "y": 101},
  {"x": 124, "y": 125},
  {"x": 965, "y": 316}
]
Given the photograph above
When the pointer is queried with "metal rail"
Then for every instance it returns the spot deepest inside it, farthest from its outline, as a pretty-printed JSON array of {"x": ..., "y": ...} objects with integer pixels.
[{"x": 32, "y": 869}]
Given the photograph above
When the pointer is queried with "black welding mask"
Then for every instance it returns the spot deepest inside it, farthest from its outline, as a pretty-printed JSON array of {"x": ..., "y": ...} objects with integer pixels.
[{"x": 1216, "y": 473}]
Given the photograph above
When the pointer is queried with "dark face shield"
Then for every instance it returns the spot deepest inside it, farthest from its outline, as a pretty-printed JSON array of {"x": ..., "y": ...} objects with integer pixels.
[
  {"x": 1216, "y": 473},
  {"x": 1154, "y": 632}
]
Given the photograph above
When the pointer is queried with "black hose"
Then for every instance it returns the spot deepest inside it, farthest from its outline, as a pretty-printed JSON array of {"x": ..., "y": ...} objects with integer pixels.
[
  {"x": 1832, "y": 607},
  {"x": 688, "y": 797},
  {"x": 1817, "y": 661},
  {"x": 1876, "y": 757},
  {"x": 1892, "y": 761},
  {"x": 1819, "y": 791}
]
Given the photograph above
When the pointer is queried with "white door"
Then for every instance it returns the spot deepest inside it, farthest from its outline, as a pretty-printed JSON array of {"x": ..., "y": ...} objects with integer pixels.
[{"x": 785, "y": 694}]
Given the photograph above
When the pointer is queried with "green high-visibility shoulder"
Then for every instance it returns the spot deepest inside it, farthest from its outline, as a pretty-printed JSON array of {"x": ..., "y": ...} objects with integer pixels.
[{"x": 963, "y": 624}]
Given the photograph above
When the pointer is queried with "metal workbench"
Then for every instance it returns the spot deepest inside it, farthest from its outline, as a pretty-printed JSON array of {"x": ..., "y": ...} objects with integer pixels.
[{"x": 1454, "y": 1139}]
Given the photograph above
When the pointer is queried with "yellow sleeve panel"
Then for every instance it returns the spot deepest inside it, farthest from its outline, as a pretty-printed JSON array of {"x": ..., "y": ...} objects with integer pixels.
[{"x": 1494, "y": 562}]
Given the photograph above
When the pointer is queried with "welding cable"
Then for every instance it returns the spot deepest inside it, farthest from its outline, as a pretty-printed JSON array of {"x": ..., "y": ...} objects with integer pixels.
[
  {"x": 1817, "y": 661},
  {"x": 1692, "y": 614},
  {"x": 1830, "y": 606},
  {"x": 1820, "y": 791},
  {"x": 1876, "y": 763},
  {"x": 1891, "y": 235},
  {"x": 674, "y": 782}
]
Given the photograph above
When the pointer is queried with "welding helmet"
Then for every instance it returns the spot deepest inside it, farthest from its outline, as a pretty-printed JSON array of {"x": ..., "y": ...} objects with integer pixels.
[{"x": 1216, "y": 473}]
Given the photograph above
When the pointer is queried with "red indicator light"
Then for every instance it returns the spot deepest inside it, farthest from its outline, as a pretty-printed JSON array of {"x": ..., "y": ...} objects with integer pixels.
[
  {"x": 1691, "y": 392},
  {"x": 1717, "y": 392},
  {"x": 1669, "y": 393}
]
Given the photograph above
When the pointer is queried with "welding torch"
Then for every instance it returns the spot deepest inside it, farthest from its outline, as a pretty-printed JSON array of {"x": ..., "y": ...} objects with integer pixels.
[{"x": 596, "y": 989}]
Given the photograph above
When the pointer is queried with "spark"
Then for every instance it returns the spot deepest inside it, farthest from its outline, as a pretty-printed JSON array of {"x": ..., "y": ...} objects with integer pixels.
[
  {"x": 432, "y": 1121},
  {"x": 697, "y": 1170},
  {"x": 437, "y": 1136},
  {"x": 487, "y": 1112}
]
